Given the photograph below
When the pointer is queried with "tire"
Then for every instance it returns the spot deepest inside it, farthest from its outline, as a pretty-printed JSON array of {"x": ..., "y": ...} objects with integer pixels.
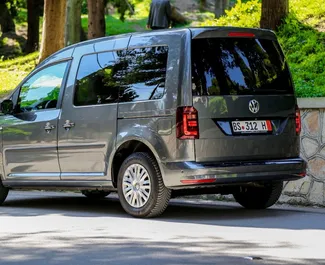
[
  {"x": 259, "y": 197},
  {"x": 150, "y": 195},
  {"x": 95, "y": 194},
  {"x": 3, "y": 193}
]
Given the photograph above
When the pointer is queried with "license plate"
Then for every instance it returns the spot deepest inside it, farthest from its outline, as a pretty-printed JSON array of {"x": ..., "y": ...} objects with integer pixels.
[{"x": 252, "y": 126}]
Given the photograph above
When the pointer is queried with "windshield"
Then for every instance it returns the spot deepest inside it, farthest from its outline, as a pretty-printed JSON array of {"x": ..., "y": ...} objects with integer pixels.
[{"x": 239, "y": 66}]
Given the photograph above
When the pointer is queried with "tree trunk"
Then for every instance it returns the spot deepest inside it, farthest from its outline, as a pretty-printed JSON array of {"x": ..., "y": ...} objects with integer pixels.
[
  {"x": 73, "y": 22},
  {"x": 273, "y": 13},
  {"x": 220, "y": 7},
  {"x": 96, "y": 19},
  {"x": 7, "y": 23},
  {"x": 33, "y": 13},
  {"x": 83, "y": 35},
  {"x": 203, "y": 5},
  {"x": 53, "y": 27}
]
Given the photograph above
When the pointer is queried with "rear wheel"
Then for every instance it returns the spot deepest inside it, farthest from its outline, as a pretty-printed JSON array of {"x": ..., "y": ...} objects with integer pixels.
[
  {"x": 141, "y": 188},
  {"x": 3, "y": 193},
  {"x": 259, "y": 197},
  {"x": 95, "y": 194}
]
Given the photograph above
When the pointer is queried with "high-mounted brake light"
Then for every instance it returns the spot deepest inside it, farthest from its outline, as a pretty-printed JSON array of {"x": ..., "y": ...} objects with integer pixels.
[
  {"x": 298, "y": 121},
  {"x": 187, "y": 123},
  {"x": 241, "y": 34}
]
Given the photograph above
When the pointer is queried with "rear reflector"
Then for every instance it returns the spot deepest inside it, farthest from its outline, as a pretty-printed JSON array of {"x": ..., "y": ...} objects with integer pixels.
[
  {"x": 197, "y": 181},
  {"x": 298, "y": 121},
  {"x": 241, "y": 34},
  {"x": 187, "y": 123}
]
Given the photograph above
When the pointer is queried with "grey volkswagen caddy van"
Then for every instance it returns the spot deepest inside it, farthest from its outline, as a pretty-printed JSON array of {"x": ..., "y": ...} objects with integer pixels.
[{"x": 157, "y": 115}]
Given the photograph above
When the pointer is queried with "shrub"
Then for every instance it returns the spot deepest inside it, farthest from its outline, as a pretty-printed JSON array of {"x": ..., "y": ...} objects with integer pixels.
[{"x": 243, "y": 14}]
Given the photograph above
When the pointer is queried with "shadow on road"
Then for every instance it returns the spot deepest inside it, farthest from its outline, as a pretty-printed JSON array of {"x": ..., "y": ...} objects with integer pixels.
[
  {"x": 126, "y": 251},
  {"x": 235, "y": 216},
  {"x": 221, "y": 215}
]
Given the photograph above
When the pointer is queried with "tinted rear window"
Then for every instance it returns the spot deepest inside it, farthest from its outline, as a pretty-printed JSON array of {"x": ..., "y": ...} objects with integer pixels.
[{"x": 238, "y": 66}]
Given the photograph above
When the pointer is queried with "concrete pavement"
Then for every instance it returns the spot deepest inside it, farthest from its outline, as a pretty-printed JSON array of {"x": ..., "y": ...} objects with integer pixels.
[{"x": 67, "y": 228}]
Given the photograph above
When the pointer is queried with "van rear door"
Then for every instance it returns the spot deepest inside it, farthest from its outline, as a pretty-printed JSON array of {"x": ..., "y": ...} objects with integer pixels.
[{"x": 244, "y": 97}]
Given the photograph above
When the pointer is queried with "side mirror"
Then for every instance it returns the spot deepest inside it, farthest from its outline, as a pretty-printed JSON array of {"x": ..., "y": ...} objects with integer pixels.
[{"x": 7, "y": 106}]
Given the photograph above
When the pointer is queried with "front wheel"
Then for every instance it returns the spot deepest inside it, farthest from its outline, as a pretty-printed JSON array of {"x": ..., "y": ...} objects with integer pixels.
[
  {"x": 3, "y": 193},
  {"x": 141, "y": 188},
  {"x": 259, "y": 197}
]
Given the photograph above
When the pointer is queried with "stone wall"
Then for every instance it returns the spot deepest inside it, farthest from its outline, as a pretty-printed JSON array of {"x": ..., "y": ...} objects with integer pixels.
[{"x": 310, "y": 190}]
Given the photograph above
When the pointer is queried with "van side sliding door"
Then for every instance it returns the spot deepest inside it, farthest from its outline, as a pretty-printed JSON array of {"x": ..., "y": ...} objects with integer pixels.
[{"x": 87, "y": 127}]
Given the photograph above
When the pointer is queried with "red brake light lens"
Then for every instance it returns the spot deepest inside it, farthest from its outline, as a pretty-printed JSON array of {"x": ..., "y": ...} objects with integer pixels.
[
  {"x": 187, "y": 123},
  {"x": 241, "y": 34},
  {"x": 298, "y": 121},
  {"x": 197, "y": 181}
]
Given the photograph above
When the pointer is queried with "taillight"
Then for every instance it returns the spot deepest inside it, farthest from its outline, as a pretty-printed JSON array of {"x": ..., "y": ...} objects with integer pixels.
[
  {"x": 187, "y": 123},
  {"x": 241, "y": 34},
  {"x": 298, "y": 121}
]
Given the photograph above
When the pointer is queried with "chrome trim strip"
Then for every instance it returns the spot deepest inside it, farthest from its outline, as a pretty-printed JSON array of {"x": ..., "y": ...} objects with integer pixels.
[
  {"x": 44, "y": 175},
  {"x": 83, "y": 174},
  {"x": 60, "y": 184}
]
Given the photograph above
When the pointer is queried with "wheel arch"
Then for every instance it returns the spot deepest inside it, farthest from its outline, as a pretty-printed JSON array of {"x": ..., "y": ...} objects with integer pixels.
[{"x": 124, "y": 149}]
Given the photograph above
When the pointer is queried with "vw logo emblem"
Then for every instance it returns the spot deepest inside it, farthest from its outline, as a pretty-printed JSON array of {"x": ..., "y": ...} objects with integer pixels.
[{"x": 254, "y": 106}]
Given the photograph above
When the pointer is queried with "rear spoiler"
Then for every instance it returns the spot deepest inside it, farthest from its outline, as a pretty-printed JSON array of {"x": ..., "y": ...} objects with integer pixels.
[{"x": 231, "y": 32}]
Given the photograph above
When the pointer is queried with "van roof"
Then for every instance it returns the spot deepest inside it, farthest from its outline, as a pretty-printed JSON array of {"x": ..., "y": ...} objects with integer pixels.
[{"x": 197, "y": 32}]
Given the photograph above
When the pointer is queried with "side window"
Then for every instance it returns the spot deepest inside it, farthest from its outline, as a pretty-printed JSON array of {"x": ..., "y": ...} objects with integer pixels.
[
  {"x": 145, "y": 74},
  {"x": 41, "y": 91},
  {"x": 121, "y": 76},
  {"x": 97, "y": 80}
]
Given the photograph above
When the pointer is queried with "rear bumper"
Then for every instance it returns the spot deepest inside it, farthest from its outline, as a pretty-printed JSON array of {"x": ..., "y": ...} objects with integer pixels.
[{"x": 180, "y": 175}]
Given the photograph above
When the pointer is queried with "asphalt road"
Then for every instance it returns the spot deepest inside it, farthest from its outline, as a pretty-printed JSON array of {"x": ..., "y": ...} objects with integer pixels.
[{"x": 66, "y": 228}]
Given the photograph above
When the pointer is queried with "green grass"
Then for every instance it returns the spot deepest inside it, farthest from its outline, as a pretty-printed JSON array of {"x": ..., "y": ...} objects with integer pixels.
[
  {"x": 13, "y": 71},
  {"x": 115, "y": 26},
  {"x": 300, "y": 36}
]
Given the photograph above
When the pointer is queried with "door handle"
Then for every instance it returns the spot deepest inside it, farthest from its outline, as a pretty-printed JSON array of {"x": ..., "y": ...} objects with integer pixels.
[
  {"x": 49, "y": 127},
  {"x": 68, "y": 125}
]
